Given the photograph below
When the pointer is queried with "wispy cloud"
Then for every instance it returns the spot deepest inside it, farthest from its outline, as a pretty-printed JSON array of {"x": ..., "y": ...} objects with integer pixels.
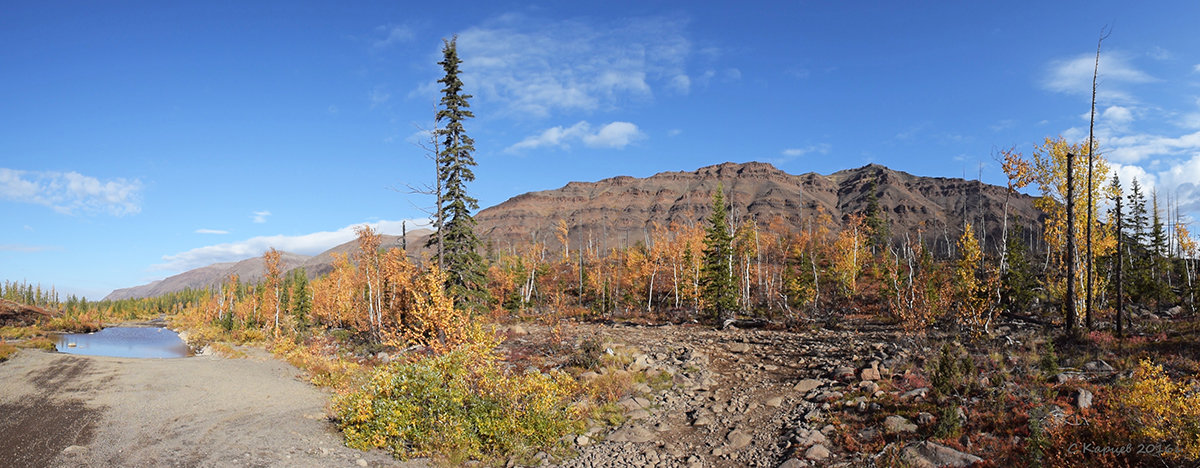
[
  {"x": 1074, "y": 76},
  {"x": 389, "y": 35},
  {"x": 211, "y": 231},
  {"x": 378, "y": 95},
  {"x": 71, "y": 192},
  {"x": 27, "y": 248},
  {"x": 822, "y": 148},
  {"x": 261, "y": 216},
  {"x": 538, "y": 67},
  {"x": 307, "y": 244},
  {"x": 615, "y": 135}
]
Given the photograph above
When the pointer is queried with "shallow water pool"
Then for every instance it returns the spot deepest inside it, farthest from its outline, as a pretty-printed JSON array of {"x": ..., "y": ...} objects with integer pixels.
[{"x": 134, "y": 342}]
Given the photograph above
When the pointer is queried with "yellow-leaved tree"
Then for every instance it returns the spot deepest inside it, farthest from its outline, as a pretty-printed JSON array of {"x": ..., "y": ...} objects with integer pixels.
[
  {"x": 1050, "y": 174},
  {"x": 973, "y": 284}
]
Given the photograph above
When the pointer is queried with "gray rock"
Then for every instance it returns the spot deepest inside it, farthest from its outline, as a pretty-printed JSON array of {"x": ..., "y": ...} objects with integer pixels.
[
  {"x": 640, "y": 363},
  {"x": 791, "y": 463},
  {"x": 870, "y": 373},
  {"x": 914, "y": 393},
  {"x": 807, "y": 438},
  {"x": 739, "y": 348},
  {"x": 1098, "y": 366},
  {"x": 1083, "y": 398},
  {"x": 806, "y": 385},
  {"x": 1064, "y": 377},
  {"x": 843, "y": 373},
  {"x": 816, "y": 452},
  {"x": 897, "y": 423},
  {"x": 737, "y": 439},
  {"x": 774, "y": 402},
  {"x": 927, "y": 454},
  {"x": 869, "y": 387},
  {"x": 634, "y": 403},
  {"x": 635, "y": 434}
]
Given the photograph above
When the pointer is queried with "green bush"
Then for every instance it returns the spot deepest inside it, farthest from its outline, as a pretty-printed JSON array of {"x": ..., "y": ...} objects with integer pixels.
[
  {"x": 459, "y": 406},
  {"x": 953, "y": 372}
]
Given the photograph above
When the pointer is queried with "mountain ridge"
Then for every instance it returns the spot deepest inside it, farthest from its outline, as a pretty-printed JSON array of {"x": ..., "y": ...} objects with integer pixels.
[{"x": 619, "y": 211}]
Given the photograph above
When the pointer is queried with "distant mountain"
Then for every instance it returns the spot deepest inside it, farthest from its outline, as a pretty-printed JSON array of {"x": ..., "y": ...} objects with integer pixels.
[
  {"x": 620, "y": 211},
  {"x": 252, "y": 269}
]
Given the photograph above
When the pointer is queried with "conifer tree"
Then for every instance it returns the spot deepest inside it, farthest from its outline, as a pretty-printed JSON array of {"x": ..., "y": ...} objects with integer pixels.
[
  {"x": 1018, "y": 281},
  {"x": 462, "y": 264},
  {"x": 719, "y": 291}
]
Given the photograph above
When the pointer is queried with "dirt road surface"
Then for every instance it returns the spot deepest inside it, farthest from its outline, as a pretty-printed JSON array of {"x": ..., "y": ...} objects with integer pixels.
[{"x": 69, "y": 410}]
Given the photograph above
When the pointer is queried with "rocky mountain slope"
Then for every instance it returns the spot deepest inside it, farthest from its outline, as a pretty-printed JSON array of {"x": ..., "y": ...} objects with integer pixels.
[{"x": 620, "y": 211}]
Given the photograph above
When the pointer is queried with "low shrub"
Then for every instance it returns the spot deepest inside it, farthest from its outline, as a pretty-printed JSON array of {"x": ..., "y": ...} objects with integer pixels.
[
  {"x": 1164, "y": 410},
  {"x": 7, "y": 351},
  {"x": 19, "y": 333},
  {"x": 322, "y": 370},
  {"x": 459, "y": 406},
  {"x": 40, "y": 342}
]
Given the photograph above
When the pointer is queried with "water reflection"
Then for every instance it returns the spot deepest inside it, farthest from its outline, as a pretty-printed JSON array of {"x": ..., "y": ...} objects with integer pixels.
[{"x": 135, "y": 342}]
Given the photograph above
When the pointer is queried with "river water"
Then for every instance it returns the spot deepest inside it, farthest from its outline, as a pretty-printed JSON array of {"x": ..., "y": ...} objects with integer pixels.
[{"x": 133, "y": 342}]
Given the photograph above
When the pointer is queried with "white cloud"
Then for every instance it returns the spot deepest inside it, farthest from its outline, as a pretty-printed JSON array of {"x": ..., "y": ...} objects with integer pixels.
[
  {"x": 1196, "y": 68},
  {"x": 306, "y": 244},
  {"x": 391, "y": 34},
  {"x": 71, "y": 192},
  {"x": 1074, "y": 76},
  {"x": 674, "y": 132},
  {"x": 1117, "y": 115},
  {"x": 682, "y": 84},
  {"x": 822, "y": 148},
  {"x": 378, "y": 95},
  {"x": 261, "y": 216},
  {"x": 613, "y": 135},
  {"x": 539, "y": 67},
  {"x": 211, "y": 231},
  {"x": 1134, "y": 148}
]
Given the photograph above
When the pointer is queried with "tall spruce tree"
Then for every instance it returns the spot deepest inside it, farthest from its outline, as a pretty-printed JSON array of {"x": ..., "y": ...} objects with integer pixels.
[
  {"x": 1019, "y": 281},
  {"x": 719, "y": 290},
  {"x": 460, "y": 259},
  {"x": 1137, "y": 277},
  {"x": 1160, "y": 266}
]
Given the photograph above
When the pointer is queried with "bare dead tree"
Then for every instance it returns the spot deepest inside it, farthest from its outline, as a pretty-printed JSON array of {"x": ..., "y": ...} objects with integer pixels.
[
  {"x": 1069, "y": 297},
  {"x": 1087, "y": 307},
  {"x": 431, "y": 148}
]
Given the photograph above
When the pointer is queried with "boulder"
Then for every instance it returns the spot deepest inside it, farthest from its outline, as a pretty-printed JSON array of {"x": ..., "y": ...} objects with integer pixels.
[
  {"x": 816, "y": 452},
  {"x": 896, "y": 423},
  {"x": 737, "y": 439},
  {"x": 806, "y": 385},
  {"x": 1083, "y": 398},
  {"x": 927, "y": 454}
]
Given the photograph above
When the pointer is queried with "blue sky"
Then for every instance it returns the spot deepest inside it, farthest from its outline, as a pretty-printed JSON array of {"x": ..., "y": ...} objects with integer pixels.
[{"x": 142, "y": 139}]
